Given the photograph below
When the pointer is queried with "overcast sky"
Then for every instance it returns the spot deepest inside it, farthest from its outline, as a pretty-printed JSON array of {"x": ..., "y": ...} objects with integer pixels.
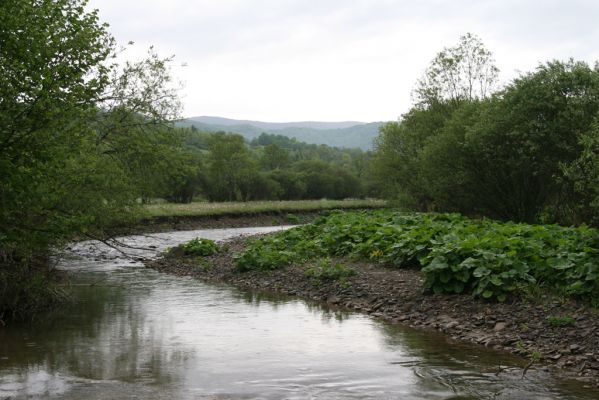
[{"x": 333, "y": 60}]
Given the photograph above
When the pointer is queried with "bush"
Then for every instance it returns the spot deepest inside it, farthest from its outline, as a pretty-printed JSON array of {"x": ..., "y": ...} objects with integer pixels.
[
  {"x": 325, "y": 270},
  {"x": 200, "y": 247},
  {"x": 489, "y": 259}
]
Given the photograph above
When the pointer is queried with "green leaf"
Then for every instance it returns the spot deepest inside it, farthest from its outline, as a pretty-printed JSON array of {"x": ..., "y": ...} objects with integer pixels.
[{"x": 481, "y": 271}]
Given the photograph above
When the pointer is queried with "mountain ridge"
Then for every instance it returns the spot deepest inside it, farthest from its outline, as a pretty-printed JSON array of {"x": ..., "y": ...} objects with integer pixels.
[
  {"x": 212, "y": 120},
  {"x": 344, "y": 134}
]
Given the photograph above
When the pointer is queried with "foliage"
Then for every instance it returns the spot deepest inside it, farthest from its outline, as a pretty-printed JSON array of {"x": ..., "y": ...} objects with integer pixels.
[
  {"x": 465, "y": 72},
  {"x": 269, "y": 168},
  {"x": 230, "y": 168},
  {"x": 200, "y": 247},
  {"x": 291, "y": 184},
  {"x": 277, "y": 251},
  {"x": 581, "y": 180},
  {"x": 397, "y": 158},
  {"x": 323, "y": 180},
  {"x": 326, "y": 270},
  {"x": 523, "y": 138},
  {"x": 527, "y": 154},
  {"x": 292, "y": 218},
  {"x": 487, "y": 258},
  {"x": 74, "y": 129},
  {"x": 561, "y": 321},
  {"x": 51, "y": 56},
  {"x": 274, "y": 157}
]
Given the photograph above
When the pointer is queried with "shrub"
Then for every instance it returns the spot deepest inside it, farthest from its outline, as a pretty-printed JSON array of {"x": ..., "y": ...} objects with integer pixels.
[
  {"x": 486, "y": 258},
  {"x": 200, "y": 247},
  {"x": 326, "y": 270}
]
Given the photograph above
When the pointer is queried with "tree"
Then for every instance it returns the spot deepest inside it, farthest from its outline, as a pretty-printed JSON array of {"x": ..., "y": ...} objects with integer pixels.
[
  {"x": 230, "y": 168},
  {"x": 526, "y": 135},
  {"x": 397, "y": 156},
  {"x": 525, "y": 154},
  {"x": 465, "y": 72},
  {"x": 61, "y": 100},
  {"x": 274, "y": 157},
  {"x": 457, "y": 76},
  {"x": 581, "y": 178},
  {"x": 51, "y": 76},
  {"x": 290, "y": 182},
  {"x": 323, "y": 180}
]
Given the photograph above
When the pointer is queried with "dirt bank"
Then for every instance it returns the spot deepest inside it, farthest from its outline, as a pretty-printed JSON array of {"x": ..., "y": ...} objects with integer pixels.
[
  {"x": 184, "y": 223},
  {"x": 529, "y": 328}
]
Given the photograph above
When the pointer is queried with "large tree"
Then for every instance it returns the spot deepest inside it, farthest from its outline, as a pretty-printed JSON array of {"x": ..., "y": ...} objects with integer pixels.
[
  {"x": 63, "y": 102},
  {"x": 457, "y": 77},
  {"x": 522, "y": 140},
  {"x": 52, "y": 73},
  {"x": 464, "y": 72},
  {"x": 230, "y": 168}
]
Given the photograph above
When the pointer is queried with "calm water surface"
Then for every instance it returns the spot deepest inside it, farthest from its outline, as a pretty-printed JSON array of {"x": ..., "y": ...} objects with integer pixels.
[{"x": 134, "y": 333}]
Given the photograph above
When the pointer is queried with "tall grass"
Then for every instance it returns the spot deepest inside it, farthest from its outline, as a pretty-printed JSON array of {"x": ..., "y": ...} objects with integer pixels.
[{"x": 254, "y": 207}]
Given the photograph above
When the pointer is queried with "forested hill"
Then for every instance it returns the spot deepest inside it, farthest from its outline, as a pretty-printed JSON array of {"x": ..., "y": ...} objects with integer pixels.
[{"x": 347, "y": 134}]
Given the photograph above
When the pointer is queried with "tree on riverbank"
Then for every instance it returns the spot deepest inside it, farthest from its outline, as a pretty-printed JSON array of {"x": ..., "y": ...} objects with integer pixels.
[
  {"x": 523, "y": 154},
  {"x": 68, "y": 117}
]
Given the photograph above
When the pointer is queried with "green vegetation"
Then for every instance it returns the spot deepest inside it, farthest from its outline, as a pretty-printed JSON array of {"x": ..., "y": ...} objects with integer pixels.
[
  {"x": 270, "y": 167},
  {"x": 490, "y": 259},
  {"x": 526, "y": 153},
  {"x": 326, "y": 270},
  {"x": 256, "y": 207},
  {"x": 85, "y": 141},
  {"x": 561, "y": 321},
  {"x": 79, "y": 138},
  {"x": 200, "y": 247}
]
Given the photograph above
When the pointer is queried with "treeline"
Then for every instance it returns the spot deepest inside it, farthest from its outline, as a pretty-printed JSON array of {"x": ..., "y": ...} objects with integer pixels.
[
  {"x": 79, "y": 136},
  {"x": 527, "y": 152},
  {"x": 83, "y": 139},
  {"x": 223, "y": 167}
]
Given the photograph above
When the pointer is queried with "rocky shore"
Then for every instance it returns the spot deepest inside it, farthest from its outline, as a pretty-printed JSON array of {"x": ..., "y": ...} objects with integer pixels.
[{"x": 545, "y": 331}]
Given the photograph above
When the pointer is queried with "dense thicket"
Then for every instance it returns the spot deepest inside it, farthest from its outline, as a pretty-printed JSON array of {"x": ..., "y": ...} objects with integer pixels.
[
  {"x": 526, "y": 153},
  {"x": 271, "y": 167},
  {"x": 78, "y": 138}
]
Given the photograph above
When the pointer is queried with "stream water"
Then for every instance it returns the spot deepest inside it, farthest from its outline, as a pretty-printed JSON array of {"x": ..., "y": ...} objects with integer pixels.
[{"x": 133, "y": 333}]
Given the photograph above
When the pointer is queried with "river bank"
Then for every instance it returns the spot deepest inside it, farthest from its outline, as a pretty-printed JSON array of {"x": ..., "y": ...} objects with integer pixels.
[
  {"x": 547, "y": 332},
  {"x": 185, "y": 223},
  {"x": 203, "y": 215}
]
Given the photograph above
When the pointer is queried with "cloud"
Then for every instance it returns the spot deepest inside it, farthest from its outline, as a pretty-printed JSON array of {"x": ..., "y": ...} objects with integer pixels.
[{"x": 338, "y": 59}]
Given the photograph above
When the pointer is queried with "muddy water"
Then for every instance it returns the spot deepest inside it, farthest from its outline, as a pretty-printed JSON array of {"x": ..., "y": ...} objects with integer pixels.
[{"x": 133, "y": 333}]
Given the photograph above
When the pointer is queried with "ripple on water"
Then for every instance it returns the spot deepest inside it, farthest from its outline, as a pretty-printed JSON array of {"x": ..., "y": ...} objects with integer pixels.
[{"x": 136, "y": 333}]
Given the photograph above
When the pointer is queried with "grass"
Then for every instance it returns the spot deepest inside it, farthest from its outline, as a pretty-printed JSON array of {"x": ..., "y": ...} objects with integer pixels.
[{"x": 255, "y": 207}]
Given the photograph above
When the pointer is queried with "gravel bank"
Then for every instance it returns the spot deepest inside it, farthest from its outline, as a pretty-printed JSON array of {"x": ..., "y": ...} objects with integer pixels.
[{"x": 528, "y": 328}]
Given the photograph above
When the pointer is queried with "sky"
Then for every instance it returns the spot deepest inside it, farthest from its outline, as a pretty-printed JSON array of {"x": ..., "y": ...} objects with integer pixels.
[{"x": 337, "y": 60}]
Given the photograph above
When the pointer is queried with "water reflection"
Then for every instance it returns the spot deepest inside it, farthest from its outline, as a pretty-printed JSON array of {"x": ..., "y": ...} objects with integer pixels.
[{"x": 135, "y": 333}]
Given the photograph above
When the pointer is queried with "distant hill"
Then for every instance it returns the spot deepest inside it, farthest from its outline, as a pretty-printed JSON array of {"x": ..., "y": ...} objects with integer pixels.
[{"x": 347, "y": 134}]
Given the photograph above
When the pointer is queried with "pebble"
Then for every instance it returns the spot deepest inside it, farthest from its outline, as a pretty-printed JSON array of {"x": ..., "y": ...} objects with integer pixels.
[
  {"x": 499, "y": 326},
  {"x": 397, "y": 296}
]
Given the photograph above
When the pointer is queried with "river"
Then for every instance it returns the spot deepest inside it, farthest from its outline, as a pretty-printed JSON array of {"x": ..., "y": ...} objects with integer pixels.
[{"x": 133, "y": 333}]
